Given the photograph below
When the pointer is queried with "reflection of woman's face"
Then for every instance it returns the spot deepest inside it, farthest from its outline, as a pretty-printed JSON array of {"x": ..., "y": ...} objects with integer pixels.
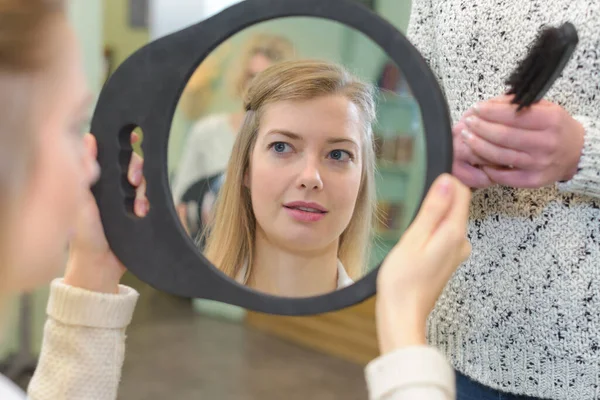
[{"x": 305, "y": 172}]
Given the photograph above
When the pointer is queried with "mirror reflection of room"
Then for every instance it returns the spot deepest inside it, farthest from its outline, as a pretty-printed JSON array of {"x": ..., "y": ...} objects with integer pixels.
[{"x": 391, "y": 157}]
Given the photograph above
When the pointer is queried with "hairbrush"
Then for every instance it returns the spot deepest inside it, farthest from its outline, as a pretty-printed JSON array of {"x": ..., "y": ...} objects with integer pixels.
[{"x": 547, "y": 57}]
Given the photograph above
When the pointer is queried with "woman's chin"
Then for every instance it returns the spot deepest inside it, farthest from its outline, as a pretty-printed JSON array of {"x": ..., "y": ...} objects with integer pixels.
[{"x": 306, "y": 243}]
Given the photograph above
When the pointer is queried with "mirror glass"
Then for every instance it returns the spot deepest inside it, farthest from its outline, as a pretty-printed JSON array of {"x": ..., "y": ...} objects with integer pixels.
[{"x": 297, "y": 156}]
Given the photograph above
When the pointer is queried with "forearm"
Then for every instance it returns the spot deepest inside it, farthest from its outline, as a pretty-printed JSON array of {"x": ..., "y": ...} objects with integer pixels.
[{"x": 84, "y": 344}]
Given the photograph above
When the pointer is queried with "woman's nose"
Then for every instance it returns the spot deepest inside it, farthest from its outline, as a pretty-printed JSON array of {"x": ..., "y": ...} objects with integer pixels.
[{"x": 310, "y": 176}]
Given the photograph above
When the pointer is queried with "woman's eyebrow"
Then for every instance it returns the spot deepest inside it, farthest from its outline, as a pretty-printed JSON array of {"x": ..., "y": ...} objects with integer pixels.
[
  {"x": 295, "y": 136},
  {"x": 342, "y": 140},
  {"x": 284, "y": 132}
]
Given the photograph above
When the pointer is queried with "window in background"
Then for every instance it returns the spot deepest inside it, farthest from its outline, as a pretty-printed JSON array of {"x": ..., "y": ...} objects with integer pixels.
[
  {"x": 138, "y": 13},
  {"x": 212, "y": 7},
  {"x": 168, "y": 16}
]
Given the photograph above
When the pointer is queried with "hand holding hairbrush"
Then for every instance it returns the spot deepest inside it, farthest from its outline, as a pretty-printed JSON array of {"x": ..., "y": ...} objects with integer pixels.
[
  {"x": 547, "y": 57},
  {"x": 523, "y": 150}
]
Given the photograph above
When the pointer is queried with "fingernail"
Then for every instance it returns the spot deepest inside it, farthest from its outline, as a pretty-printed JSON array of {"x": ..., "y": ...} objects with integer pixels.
[
  {"x": 444, "y": 185},
  {"x": 470, "y": 120},
  {"x": 476, "y": 107},
  {"x": 136, "y": 177},
  {"x": 467, "y": 136},
  {"x": 140, "y": 208}
]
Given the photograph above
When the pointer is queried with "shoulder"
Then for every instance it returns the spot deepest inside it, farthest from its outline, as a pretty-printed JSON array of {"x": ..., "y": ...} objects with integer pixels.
[
  {"x": 343, "y": 277},
  {"x": 10, "y": 391},
  {"x": 209, "y": 124},
  {"x": 208, "y": 129},
  {"x": 242, "y": 275}
]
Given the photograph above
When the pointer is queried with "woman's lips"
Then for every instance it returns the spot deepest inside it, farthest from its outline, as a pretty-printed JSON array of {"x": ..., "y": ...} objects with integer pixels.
[
  {"x": 305, "y": 216},
  {"x": 305, "y": 211}
]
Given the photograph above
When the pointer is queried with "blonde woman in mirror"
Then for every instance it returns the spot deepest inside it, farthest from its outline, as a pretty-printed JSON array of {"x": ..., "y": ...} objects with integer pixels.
[
  {"x": 294, "y": 215},
  {"x": 211, "y": 138}
]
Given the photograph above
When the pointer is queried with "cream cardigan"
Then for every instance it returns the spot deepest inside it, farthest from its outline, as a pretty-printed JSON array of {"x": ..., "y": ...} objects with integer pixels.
[{"x": 84, "y": 347}]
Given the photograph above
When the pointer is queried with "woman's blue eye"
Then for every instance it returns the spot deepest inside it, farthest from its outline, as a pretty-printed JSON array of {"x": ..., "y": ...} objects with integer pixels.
[
  {"x": 339, "y": 155},
  {"x": 279, "y": 147}
]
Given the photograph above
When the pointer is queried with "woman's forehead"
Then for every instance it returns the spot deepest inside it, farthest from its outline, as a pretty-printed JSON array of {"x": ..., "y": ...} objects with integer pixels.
[{"x": 329, "y": 119}]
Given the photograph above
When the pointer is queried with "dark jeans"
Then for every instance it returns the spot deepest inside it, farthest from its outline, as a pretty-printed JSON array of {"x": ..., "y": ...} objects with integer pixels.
[{"x": 467, "y": 389}]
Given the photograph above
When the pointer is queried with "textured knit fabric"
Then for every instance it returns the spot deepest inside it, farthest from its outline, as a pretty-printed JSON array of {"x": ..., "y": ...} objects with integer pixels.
[
  {"x": 84, "y": 344},
  {"x": 411, "y": 373},
  {"x": 523, "y": 314},
  {"x": 207, "y": 151}
]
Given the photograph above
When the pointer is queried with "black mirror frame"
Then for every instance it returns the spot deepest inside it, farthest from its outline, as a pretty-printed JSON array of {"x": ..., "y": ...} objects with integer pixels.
[{"x": 144, "y": 91}]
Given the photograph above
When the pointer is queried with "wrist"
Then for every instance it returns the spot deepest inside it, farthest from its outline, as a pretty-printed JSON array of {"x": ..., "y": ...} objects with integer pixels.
[
  {"x": 570, "y": 173},
  {"x": 400, "y": 325},
  {"x": 92, "y": 274}
]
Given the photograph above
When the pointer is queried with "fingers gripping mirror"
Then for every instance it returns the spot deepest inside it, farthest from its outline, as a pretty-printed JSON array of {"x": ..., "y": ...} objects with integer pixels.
[{"x": 286, "y": 196}]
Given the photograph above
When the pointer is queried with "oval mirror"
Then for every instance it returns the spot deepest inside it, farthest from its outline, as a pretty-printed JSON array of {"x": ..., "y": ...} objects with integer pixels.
[{"x": 298, "y": 166}]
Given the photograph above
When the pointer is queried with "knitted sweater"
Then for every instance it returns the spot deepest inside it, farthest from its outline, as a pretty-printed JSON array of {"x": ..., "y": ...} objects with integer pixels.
[
  {"x": 83, "y": 348},
  {"x": 522, "y": 314}
]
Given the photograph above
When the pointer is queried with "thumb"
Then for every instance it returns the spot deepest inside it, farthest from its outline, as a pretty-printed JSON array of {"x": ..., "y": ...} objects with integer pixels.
[
  {"x": 91, "y": 146},
  {"x": 432, "y": 212},
  {"x": 90, "y": 156}
]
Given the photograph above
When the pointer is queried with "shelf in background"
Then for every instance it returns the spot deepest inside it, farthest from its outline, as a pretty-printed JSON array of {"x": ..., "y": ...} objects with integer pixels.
[{"x": 393, "y": 168}]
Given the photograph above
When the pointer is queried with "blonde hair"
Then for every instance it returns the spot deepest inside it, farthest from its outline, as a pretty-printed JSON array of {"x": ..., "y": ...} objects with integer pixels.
[
  {"x": 274, "y": 47},
  {"x": 25, "y": 48},
  {"x": 230, "y": 239}
]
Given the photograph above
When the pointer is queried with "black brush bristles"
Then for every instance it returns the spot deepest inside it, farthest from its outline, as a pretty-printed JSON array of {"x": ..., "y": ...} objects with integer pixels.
[{"x": 546, "y": 59}]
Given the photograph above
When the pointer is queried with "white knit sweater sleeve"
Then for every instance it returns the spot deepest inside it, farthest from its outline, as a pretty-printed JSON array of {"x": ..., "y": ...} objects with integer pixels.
[
  {"x": 84, "y": 344},
  {"x": 412, "y": 373},
  {"x": 587, "y": 179}
]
